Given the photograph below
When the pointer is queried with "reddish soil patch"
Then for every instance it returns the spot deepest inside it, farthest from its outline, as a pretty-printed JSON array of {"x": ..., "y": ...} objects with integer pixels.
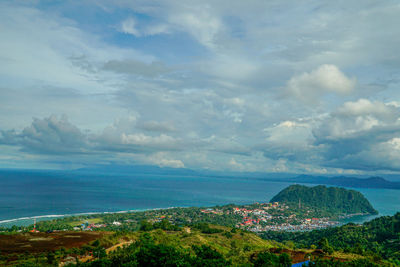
[{"x": 41, "y": 242}]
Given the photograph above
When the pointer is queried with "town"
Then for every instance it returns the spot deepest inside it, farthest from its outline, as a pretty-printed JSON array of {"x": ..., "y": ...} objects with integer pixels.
[
  {"x": 256, "y": 217},
  {"x": 271, "y": 217}
]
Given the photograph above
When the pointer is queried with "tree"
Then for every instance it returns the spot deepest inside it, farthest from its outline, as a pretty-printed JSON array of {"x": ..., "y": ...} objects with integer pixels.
[
  {"x": 324, "y": 245},
  {"x": 51, "y": 258},
  {"x": 99, "y": 252},
  {"x": 146, "y": 226},
  {"x": 206, "y": 256},
  {"x": 285, "y": 260},
  {"x": 267, "y": 259}
]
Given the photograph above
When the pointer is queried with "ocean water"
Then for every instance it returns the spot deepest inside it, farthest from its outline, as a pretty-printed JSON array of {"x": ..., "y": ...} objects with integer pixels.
[{"x": 47, "y": 194}]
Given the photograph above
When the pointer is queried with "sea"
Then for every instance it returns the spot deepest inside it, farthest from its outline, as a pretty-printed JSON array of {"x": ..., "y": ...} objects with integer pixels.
[{"x": 47, "y": 194}]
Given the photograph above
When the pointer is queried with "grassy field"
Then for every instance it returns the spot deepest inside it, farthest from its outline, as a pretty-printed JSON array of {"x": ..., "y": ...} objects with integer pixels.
[
  {"x": 236, "y": 245},
  {"x": 43, "y": 242},
  {"x": 90, "y": 221}
]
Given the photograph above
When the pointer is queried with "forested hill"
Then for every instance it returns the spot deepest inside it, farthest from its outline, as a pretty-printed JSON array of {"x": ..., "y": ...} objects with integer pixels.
[
  {"x": 378, "y": 238},
  {"x": 332, "y": 199}
]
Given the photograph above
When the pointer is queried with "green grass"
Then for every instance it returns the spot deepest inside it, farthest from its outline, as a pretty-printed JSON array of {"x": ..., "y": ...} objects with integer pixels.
[
  {"x": 238, "y": 247},
  {"x": 90, "y": 221}
]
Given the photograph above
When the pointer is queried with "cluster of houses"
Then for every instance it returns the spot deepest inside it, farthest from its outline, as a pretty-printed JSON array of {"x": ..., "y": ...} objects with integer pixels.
[
  {"x": 255, "y": 216},
  {"x": 258, "y": 217},
  {"x": 89, "y": 227},
  {"x": 306, "y": 225},
  {"x": 263, "y": 219}
]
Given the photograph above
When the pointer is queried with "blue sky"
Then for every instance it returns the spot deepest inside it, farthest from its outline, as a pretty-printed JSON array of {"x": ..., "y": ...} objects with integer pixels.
[{"x": 270, "y": 86}]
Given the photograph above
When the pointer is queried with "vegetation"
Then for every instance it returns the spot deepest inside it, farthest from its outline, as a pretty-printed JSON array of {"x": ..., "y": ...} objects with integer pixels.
[
  {"x": 321, "y": 202},
  {"x": 332, "y": 199},
  {"x": 336, "y": 263},
  {"x": 201, "y": 244},
  {"x": 146, "y": 252},
  {"x": 217, "y": 236},
  {"x": 269, "y": 259},
  {"x": 379, "y": 238}
]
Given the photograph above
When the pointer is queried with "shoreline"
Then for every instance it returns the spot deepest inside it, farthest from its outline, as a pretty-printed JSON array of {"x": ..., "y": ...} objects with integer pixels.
[
  {"x": 28, "y": 220},
  {"x": 55, "y": 216}
]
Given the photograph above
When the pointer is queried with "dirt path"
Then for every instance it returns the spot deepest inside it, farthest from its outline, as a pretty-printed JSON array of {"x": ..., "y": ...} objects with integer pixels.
[
  {"x": 108, "y": 250},
  {"x": 119, "y": 245}
]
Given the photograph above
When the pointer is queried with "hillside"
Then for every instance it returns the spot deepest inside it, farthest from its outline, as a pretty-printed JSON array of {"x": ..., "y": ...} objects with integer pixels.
[
  {"x": 223, "y": 247},
  {"x": 332, "y": 199},
  {"x": 199, "y": 244},
  {"x": 377, "y": 238}
]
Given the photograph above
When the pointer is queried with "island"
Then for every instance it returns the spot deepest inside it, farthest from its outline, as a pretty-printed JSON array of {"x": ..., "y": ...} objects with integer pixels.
[{"x": 331, "y": 200}]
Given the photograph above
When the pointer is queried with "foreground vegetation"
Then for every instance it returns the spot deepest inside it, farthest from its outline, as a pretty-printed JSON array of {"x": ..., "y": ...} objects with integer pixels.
[
  {"x": 217, "y": 236},
  {"x": 379, "y": 238},
  {"x": 200, "y": 244}
]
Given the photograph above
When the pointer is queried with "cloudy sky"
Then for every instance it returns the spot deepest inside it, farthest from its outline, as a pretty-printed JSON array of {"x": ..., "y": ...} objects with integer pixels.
[{"x": 271, "y": 86}]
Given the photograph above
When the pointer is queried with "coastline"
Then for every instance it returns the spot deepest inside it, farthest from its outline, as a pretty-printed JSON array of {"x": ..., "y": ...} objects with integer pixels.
[
  {"x": 27, "y": 221},
  {"x": 3, "y": 223}
]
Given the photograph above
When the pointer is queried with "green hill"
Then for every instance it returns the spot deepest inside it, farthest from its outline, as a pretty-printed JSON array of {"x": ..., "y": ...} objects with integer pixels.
[
  {"x": 199, "y": 244},
  {"x": 377, "y": 238},
  {"x": 331, "y": 199}
]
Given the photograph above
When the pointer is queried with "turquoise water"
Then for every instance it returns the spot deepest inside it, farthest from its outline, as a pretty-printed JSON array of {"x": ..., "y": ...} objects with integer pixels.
[
  {"x": 27, "y": 194},
  {"x": 386, "y": 201}
]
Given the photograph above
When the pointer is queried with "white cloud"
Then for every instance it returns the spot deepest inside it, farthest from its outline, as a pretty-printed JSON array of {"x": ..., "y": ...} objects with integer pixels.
[
  {"x": 40, "y": 49},
  {"x": 236, "y": 165},
  {"x": 366, "y": 107},
  {"x": 231, "y": 67},
  {"x": 289, "y": 140},
  {"x": 360, "y": 135},
  {"x": 200, "y": 23},
  {"x": 325, "y": 79},
  {"x": 157, "y": 29},
  {"x": 142, "y": 139},
  {"x": 155, "y": 126},
  {"x": 129, "y": 26},
  {"x": 48, "y": 136},
  {"x": 354, "y": 118},
  {"x": 289, "y": 132},
  {"x": 163, "y": 160},
  {"x": 135, "y": 67},
  {"x": 211, "y": 69}
]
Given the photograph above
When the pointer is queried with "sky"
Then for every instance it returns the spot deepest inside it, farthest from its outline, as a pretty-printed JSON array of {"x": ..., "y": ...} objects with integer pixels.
[{"x": 248, "y": 86}]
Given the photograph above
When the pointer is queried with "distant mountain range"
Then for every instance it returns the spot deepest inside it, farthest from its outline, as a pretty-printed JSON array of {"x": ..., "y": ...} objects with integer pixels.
[
  {"x": 356, "y": 182},
  {"x": 156, "y": 170},
  {"x": 371, "y": 182},
  {"x": 111, "y": 169}
]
